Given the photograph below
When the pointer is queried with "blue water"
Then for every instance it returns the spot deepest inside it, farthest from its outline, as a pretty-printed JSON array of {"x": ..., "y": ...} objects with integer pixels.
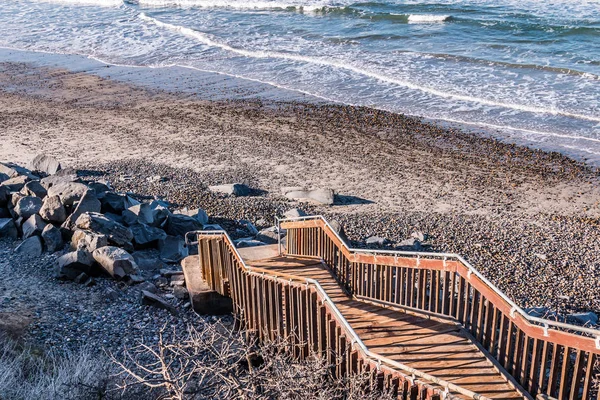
[{"x": 528, "y": 69}]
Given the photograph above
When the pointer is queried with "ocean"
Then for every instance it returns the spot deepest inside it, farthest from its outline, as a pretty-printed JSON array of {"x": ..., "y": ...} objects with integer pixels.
[{"x": 527, "y": 71}]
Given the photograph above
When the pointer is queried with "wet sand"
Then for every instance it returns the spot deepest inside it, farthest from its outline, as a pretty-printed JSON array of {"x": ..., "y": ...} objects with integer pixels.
[{"x": 499, "y": 204}]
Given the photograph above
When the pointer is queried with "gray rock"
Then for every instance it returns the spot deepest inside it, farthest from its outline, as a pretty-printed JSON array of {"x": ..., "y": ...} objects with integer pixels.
[
  {"x": 12, "y": 170},
  {"x": 180, "y": 292},
  {"x": 172, "y": 249},
  {"x": 8, "y": 229},
  {"x": 249, "y": 227},
  {"x": 98, "y": 223},
  {"x": 197, "y": 213},
  {"x": 247, "y": 242},
  {"x": 538, "y": 312},
  {"x": 148, "y": 287},
  {"x": 160, "y": 213},
  {"x": 410, "y": 244},
  {"x": 268, "y": 235},
  {"x": 294, "y": 213},
  {"x": 28, "y": 206},
  {"x": 286, "y": 189},
  {"x": 3, "y": 177},
  {"x": 212, "y": 227},
  {"x": 4, "y": 196},
  {"x": 52, "y": 238},
  {"x": 586, "y": 318},
  {"x": 116, "y": 261},
  {"x": 35, "y": 189},
  {"x": 89, "y": 203},
  {"x": 148, "y": 260},
  {"x": 34, "y": 225},
  {"x": 69, "y": 192},
  {"x": 376, "y": 241},
  {"x": 146, "y": 236},
  {"x": 30, "y": 248},
  {"x": 139, "y": 214},
  {"x": 150, "y": 299},
  {"x": 420, "y": 236},
  {"x": 179, "y": 225},
  {"x": 53, "y": 180},
  {"x": 45, "y": 164},
  {"x": 336, "y": 226},
  {"x": 81, "y": 278},
  {"x": 99, "y": 188},
  {"x": 71, "y": 265},
  {"x": 90, "y": 241},
  {"x": 16, "y": 184},
  {"x": 321, "y": 196},
  {"x": 117, "y": 202},
  {"x": 5, "y": 213},
  {"x": 236, "y": 189},
  {"x": 53, "y": 210}
]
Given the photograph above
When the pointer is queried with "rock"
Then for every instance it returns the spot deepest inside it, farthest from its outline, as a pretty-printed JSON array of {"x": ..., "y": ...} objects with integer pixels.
[
  {"x": 146, "y": 236},
  {"x": 89, "y": 203},
  {"x": 52, "y": 210},
  {"x": 411, "y": 244},
  {"x": 12, "y": 170},
  {"x": 294, "y": 213},
  {"x": 376, "y": 241},
  {"x": 179, "y": 225},
  {"x": 156, "y": 178},
  {"x": 33, "y": 226},
  {"x": 336, "y": 226},
  {"x": 16, "y": 184},
  {"x": 236, "y": 189},
  {"x": 268, "y": 235},
  {"x": 150, "y": 299},
  {"x": 538, "y": 312},
  {"x": 81, "y": 278},
  {"x": 5, "y": 213},
  {"x": 45, "y": 164},
  {"x": 321, "y": 196},
  {"x": 286, "y": 189},
  {"x": 4, "y": 196},
  {"x": 3, "y": 177},
  {"x": 171, "y": 273},
  {"x": 542, "y": 257},
  {"x": 136, "y": 279},
  {"x": 139, "y": 214},
  {"x": 98, "y": 223},
  {"x": 116, "y": 261},
  {"x": 35, "y": 189},
  {"x": 249, "y": 227},
  {"x": 172, "y": 249},
  {"x": 148, "y": 260},
  {"x": 197, "y": 213},
  {"x": 180, "y": 292},
  {"x": 30, "y": 248},
  {"x": 53, "y": 180},
  {"x": 8, "y": 229},
  {"x": 148, "y": 287},
  {"x": 111, "y": 294},
  {"x": 52, "y": 238},
  {"x": 90, "y": 241},
  {"x": 420, "y": 236},
  {"x": 28, "y": 206},
  {"x": 117, "y": 202},
  {"x": 71, "y": 265},
  {"x": 69, "y": 192},
  {"x": 212, "y": 227},
  {"x": 99, "y": 188},
  {"x": 160, "y": 213},
  {"x": 247, "y": 242},
  {"x": 586, "y": 318}
]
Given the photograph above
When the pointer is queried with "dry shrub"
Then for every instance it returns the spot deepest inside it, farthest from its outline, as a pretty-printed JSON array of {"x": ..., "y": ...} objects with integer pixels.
[{"x": 215, "y": 362}]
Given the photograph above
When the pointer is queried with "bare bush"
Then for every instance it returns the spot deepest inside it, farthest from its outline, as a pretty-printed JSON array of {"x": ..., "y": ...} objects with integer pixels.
[
  {"x": 28, "y": 373},
  {"x": 218, "y": 363}
]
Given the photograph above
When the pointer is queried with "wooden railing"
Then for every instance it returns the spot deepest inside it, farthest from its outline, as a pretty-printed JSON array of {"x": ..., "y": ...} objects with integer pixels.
[
  {"x": 547, "y": 358},
  {"x": 300, "y": 311}
]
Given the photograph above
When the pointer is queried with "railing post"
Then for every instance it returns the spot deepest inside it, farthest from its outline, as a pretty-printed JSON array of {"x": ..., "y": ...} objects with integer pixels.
[{"x": 278, "y": 235}]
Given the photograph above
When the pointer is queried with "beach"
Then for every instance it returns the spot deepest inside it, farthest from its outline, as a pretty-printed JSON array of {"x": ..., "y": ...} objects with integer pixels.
[{"x": 527, "y": 219}]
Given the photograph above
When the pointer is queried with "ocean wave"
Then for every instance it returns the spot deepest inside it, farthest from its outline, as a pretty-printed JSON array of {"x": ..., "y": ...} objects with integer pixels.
[
  {"x": 343, "y": 65},
  {"x": 101, "y": 3},
  {"x": 427, "y": 18},
  {"x": 233, "y": 4}
]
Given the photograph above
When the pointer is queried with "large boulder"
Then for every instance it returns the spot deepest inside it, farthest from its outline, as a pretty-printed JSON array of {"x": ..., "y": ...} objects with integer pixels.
[
  {"x": 53, "y": 180},
  {"x": 148, "y": 260},
  {"x": 88, "y": 240},
  {"x": 139, "y": 214},
  {"x": 69, "y": 192},
  {"x": 116, "y": 261},
  {"x": 146, "y": 236},
  {"x": 268, "y": 235},
  {"x": 52, "y": 238},
  {"x": 30, "y": 248},
  {"x": 35, "y": 189},
  {"x": 179, "y": 225},
  {"x": 172, "y": 249},
  {"x": 28, "y": 206},
  {"x": 294, "y": 213},
  {"x": 17, "y": 183},
  {"x": 236, "y": 189},
  {"x": 197, "y": 213},
  {"x": 98, "y": 223},
  {"x": 72, "y": 264},
  {"x": 8, "y": 228},
  {"x": 160, "y": 213},
  {"x": 53, "y": 210},
  {"x": 320, "y": 196},
  {"x": 116, "y": 202},
  {"x": 34, "y": 225},
  {"x": 45, "y": 164},
  {"x": 100, "y": 188},
  {"x": 583, "y": 318},
  {"x": 88, "y": 203},
  {"x": 12, "y": 170}
]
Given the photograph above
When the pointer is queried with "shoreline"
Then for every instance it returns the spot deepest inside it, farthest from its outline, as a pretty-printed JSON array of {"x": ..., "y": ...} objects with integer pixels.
[{"x": 526, "y": 219}]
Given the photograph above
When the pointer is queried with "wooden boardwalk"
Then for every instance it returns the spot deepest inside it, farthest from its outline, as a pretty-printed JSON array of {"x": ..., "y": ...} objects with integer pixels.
[{"x": 437, "y": 347}]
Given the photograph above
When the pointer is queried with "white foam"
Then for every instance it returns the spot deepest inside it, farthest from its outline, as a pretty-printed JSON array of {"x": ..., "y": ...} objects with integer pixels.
[
  {"x": 101, "y": 3},
  {"x": 206, "y": 39},
  {"x": 427, "y": 18},
  {"x": 233, "y": 4}
]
